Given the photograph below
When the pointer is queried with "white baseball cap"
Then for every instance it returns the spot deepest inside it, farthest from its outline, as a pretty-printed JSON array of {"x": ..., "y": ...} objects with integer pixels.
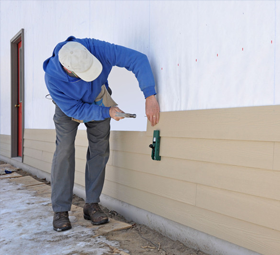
[{"x": 76, "y": 57}]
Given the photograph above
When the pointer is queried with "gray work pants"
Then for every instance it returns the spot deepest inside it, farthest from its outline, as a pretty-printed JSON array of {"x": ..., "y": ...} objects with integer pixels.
[{"x": 63, "y": 165}]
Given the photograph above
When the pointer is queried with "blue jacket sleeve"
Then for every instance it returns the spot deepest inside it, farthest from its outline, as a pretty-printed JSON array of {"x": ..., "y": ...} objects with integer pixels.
[
  {"x": 76, "y": 108},
  {"x": 133, "y": 61}
]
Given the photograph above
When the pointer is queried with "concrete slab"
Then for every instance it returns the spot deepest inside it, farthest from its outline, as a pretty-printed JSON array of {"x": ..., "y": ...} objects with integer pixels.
[
  {"x": 7, "y": 167},
  {"x": 12, "y": 175},
  {"x": 26, "y": 224},
  {"x": 26, "y": 181},
  {"x": 41, "y": 190},
  {"x": 113, "y": 225}
]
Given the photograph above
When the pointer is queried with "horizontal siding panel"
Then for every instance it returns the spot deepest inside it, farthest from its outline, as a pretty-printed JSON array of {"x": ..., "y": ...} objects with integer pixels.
[
  {"x": 276, "y": 158},
  {"x": 5, "y": 153},
  {"x": 5, "y": 139},
  {"x": 44, "y": 166},
  {"x": 49, "y": 135},
  {"x": 136, "y": 142},
  {"x": 80, "y": 165},
  {"x": 261, "y": 123},
  {"x": 44, "y": 135},
  {"x": 81, "y": 138},
  {"x": 174, "y": 189},
  {"x": 5, "y": 146},
  {"x": 239, "y": 153},
  {"x": 80, "y": 152},
  {"x": 258, "y": 182},
  {"x": 260, "y": 211},
  {"x": 80, "y": 178},
  {"x": 39, "y": 155},
  {"x": 47, "y": 156},
  {"x": 49, "y": 147},
  {"x": 250, "y": 236},
  {"x": 40, "y": 145}
]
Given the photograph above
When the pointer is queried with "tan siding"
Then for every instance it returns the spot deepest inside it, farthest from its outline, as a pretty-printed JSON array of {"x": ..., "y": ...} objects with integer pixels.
[
  {"x": 258, "y": 182},
  {"x": 45, "y": 135},
  {"x": 5, "y": 153},
  {"x": 39, "y": 154},
  {"x": 80, "y": 165},
  {"x": 250, "y": 236},
  {"x": 276, "y": 163},
  {"x": 240, "y": 153},
  {"x": 44, "y": 166},
  {"x": 174, "y": 189},
  {"x": 81, "y": 152},
  {"x": 219, "y": 173},
  {"x": 136, "y": 142},
  {"x": 80, "y": 178},
  {"x": 5, "y": 139},
  {"x": 39, "y": 145},
  {"x": 264, "y": 212},
  {"x": 260, "y": 123},
  {"x": 5, "y": 145},
  {"x": 33, "y": 153},
  {"x": 46, "y": 144}
]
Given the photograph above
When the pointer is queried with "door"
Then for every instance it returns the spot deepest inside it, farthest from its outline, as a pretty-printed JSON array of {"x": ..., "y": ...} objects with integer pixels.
[
  {"x": 19, "y": 101},
  {"x": 17, "y": 94}
]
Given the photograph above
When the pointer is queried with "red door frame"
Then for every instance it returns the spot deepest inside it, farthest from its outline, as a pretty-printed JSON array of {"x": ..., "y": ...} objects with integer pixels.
[{"x": 17, "y": 94}]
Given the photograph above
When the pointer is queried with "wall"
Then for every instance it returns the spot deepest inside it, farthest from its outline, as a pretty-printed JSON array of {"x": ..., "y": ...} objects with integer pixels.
[{"x": 219, "y": 173}]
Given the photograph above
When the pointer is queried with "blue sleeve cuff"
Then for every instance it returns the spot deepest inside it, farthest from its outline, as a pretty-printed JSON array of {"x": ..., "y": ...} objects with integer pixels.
[
  {"x": 105, "y": 112},
  {"x": 149, "y": 91}
]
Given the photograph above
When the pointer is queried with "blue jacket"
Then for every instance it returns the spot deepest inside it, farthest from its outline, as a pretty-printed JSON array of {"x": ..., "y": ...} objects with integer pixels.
[{"x": 75, "y": 97}]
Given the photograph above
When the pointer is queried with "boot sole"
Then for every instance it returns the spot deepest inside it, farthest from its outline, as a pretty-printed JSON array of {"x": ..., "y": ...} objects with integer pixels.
[
  {"x": 87, "y": 217},
  {"x": 62, "y": 229}
]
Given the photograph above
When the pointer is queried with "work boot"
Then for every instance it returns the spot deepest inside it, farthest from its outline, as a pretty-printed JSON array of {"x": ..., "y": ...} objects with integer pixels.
[
  {"x": 61, "y": 221},
  {"x": 94, "y": 213}
]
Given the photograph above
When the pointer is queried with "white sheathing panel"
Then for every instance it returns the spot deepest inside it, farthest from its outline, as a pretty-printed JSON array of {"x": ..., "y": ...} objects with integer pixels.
[
  {"x": 129, "y": 98},
  {"x": 277, "y": 53},
  {"x": 189, "y": 73},
  {"x": 180, "y": 38},
  {"x": 129, "y": 27}
]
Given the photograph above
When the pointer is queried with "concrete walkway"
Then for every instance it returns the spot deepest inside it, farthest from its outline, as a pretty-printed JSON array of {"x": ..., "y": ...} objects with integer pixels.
[{"x": 26, "y": 223}]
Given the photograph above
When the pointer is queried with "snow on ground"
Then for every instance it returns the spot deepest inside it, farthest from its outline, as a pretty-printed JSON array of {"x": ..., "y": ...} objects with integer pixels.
[{"x": 26, "y": 227}]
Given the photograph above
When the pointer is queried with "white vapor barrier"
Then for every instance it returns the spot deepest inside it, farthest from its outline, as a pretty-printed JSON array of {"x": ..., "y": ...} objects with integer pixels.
[
  {"x": 129, "y": 98},
  {"x": 214, "y": 54},
  {"x": 204, "y": 54}
]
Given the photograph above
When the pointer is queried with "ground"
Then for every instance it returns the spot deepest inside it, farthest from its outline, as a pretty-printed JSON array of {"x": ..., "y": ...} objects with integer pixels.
[{"x": 34, "y": 233}]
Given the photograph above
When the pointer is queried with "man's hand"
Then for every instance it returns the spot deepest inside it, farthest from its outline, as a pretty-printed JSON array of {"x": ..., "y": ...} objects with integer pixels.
[
  {"x": 113, "y": 111},
  {"x": 152, "y": 110}
]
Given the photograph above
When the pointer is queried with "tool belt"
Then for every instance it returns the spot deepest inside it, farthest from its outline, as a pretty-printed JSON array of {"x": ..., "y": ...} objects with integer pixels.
[{"x": 103, "y": 99}]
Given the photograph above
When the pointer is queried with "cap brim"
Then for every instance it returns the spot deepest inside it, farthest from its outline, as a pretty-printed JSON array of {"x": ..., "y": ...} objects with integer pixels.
[{"x": 93, "y": 72}]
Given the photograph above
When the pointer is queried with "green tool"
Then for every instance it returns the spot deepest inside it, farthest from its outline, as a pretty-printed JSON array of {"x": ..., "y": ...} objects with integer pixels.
[{"x": 155, "y": 146}]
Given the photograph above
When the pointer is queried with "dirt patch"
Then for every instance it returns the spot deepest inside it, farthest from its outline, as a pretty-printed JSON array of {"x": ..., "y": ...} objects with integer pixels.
[{"x": 137, "y": 240}]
